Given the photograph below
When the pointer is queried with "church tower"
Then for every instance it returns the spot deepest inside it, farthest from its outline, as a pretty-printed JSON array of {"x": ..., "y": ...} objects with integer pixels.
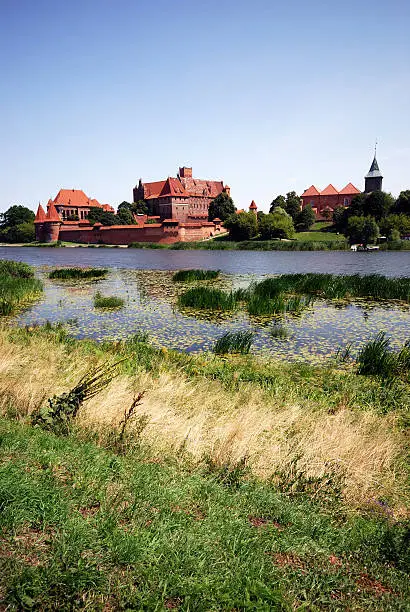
[{"x": 373, "y": 179}]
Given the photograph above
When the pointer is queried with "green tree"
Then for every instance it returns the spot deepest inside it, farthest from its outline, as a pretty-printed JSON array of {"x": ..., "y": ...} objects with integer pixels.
[
  {"x": 125, "y": 217},
  {"x": 292, "y": 206},
  {"x": 397, "y": 223},
  {"x": 221, "y": 207},
  {"x": 403, "y": 203},
  {"x": 280, "y": 200},
  {"x": 305, "y": 219},
  {"x": 339, "y": 218},
  {"x": 378, "y": 204},
  {"x": 17, "y": 225},
  {"x": 242, "y": 227},
  {"x": 363, "y": 230},
  {"x": 276, "y": 225},
  {"x": 16, "y": 215},
  {"x": 136, "y": 208},
  {"x": 98, "y": 215}
]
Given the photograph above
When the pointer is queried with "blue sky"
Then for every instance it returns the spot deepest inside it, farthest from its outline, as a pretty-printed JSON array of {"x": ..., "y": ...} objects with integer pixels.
[{"x": 266, "y": 96}]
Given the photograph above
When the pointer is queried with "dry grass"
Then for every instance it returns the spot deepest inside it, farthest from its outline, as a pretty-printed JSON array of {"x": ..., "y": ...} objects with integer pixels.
[{"x": 202, "y": 417}]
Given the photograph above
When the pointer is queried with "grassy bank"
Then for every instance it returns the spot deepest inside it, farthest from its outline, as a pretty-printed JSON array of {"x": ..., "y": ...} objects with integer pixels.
[{"x": 17, "y": 286}]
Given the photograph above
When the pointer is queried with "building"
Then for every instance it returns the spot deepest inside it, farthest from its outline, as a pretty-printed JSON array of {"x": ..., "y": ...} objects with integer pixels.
[
  {"x": 324, "y": 202},
  {"x": 74, "y": 204},
  {"x": 184, "y": 198}
]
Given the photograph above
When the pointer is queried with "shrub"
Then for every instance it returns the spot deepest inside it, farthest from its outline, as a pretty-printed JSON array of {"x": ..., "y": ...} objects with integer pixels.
[
  {"x": 71, "y": 273},
  {"x": 110, "y": 301},
  {"x": 206, "y": 298},
  {"x": 234, "y": 342},
  {"x": 194, "y": 275}
]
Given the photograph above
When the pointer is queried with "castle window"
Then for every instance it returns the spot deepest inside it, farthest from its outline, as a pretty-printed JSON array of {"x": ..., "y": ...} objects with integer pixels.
[{"x": 346, "y": 201}]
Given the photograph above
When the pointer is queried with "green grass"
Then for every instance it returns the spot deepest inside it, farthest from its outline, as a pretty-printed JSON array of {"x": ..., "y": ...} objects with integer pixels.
[
  {"x": 259, "y": 305},
  {"x": 334, "y": 286},
  {"x": 17, "y": 286},
  {"x": 376, "y": 358},
  {"x": 77, "y": 273},
  {"x": 109, "y": 301},
  {"x": 84, "y": 528},
  {"x": 319, "y": 236},
  {"x": 234, "y": 342},
  {"x": 189, "y": 276},
  {"x": 208, "y": 299}
]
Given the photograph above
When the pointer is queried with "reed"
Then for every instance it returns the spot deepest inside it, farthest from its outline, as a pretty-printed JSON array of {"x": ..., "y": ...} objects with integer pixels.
[
  {"x": 80, "y": 273},
  {"x": 234, "y": 342},
  {"x": 189, "y": 276},
  {"x": 110, "y": 301},
  {"x": 279, "y": 331},
  {"x": 207, "y": 298},
  {"x": 376, "y": 358},
  {"x": 17, "y": 286},
  {"x": 259, "y": 305}
]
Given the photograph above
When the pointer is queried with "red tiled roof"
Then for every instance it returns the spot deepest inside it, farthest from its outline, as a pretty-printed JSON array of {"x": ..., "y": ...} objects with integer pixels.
[
  {"x": 311, "y": 191},
  {"x": 172, "y": 187},
  {"x": 72, "y": 197},
  {"x": 52, "y": 214},
  {"x": 200, "y": 188},
  {"x": 329, "y": 190},
  {"x": 41, "y": 215},
  {"x": 152, "y": 190},
  {"x": 253, "y": 205},
  {"x": 349, "y": 190}
]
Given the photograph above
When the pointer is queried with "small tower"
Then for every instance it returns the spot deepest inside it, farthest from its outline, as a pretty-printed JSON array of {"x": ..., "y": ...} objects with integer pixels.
[
  {"x": 51, "y": 223},
  {"x": 253, "y": 208},
  {"x": 373, "y": 179},
  {"x": 39, "y": 223}
]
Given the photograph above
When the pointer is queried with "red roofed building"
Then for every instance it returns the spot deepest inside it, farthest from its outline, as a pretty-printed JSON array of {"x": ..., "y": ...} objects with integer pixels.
[
  {"x": 184, "y": 198},
  {"x": 71, "y": 203},
  {"x": 324, "y": 202}
]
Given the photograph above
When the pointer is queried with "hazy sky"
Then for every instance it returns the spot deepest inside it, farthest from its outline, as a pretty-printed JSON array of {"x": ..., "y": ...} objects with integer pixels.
[{"x": 268, "y": 96}]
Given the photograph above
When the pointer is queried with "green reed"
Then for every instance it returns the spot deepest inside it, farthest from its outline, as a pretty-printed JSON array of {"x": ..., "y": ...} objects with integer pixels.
[
  {"x": 17, "y": 285},
  {"x": 81, "y": 273},
  {"x": 207, "y": 298},
  {"x": 259, "y": 305},
  {"x": 378, "y": 359},
  {"x": 110, "y": 301},
  {"x": 234, "y": 342},
  {"x": 189, "y": 276}
]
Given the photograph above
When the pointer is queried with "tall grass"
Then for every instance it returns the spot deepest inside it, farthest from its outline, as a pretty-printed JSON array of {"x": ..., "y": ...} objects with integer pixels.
[
  {"x": 378, "y": 359},
  {"x": 234, "y": 342},
  {"x": 17, "y": 286},
  {"x": 110, "y": 301},
  {"x": 74, "y": 273},
  {"x": 189, "y": 276},
  {"x": 259, "y": 305},
  {"x": 207, "y": 298},
  {"x": 334, "y": 286}
]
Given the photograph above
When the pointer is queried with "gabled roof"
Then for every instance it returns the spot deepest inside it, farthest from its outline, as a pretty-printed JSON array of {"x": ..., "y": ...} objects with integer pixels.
[
  {"x": 52, "y": 214},
  {"x": 172, "y": 187},
  {"x": 72, "y": 197},
  {"x": 200, "y": 188},
  {"x": 41, "y": 215},
  {"x": 329, "y": 190},
  {"x": 350, "y": 189},
  {"x": 374, "y": 170},
  {"x": 311, "y": 191},
  {"x": 152, "y": 190}
]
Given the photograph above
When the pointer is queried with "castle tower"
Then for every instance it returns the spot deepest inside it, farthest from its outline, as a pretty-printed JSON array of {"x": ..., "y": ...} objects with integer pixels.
[
  {"x": 373, "y": 179},
  {"x": 39, "y": 223},
  {"x": 51, "y": 223},
  {"x": 253, "y": 208}
]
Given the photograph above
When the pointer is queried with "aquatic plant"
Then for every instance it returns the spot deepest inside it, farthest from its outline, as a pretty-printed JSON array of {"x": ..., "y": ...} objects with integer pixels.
[
  {"x": 279, "y": 331},
  {"x": 259, "y": 305},
  {"x": 189, "y": 276},
  {"x": 234, "y": 342},
  {"x": 378, "y": 359},
  {"x": 17, "y": 286},
  {"x": 110, "y": 301},
  {"x": 73, "y": 273},
  {"x": 207, "y": 298}
]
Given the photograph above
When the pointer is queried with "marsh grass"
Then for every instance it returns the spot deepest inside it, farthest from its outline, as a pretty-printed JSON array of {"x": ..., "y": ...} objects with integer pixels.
[
  {"x": 189, "y": 276},
  {"x": 234, "y": 342},
  {"x": 77, "y": 273},
  {"x": 279, "y": 331},
  {"x": 109, "y": 301},
  {"x": 378, "y": 359},
  {"x": 17, "y": 286},
  {"x": 259, "y": 305},
  {"x": 206, "y": 298},
  {"x": 334, "y": 286}
]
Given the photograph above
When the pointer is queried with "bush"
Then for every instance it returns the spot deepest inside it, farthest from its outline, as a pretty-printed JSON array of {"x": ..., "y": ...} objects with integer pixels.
[
  {"x": 242, "y": 227},
  {"x": 276, "y": 225}
]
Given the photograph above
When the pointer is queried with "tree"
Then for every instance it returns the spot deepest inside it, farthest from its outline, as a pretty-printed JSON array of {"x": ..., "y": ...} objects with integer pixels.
[
  {"x": 395, "y": 223},
  {"x": 293, "y": 205},
  {"x": 363, "y": 230},
  {"x": 403, "y": 202},
  {"x": 305, "y": 219},
  {"x": 276, "y": 225},
  {"x": 98, "y": 215},
  {"x": 242, "y": 227},
  {"x": 125, "y": 217},
  {"x": 16, "y": 215},
  {"x": 280, "y": 200},
  {"x": 378, "y": 204},
  {"x": 339, "y": 218},
  {"x": 136, "y": 208},
  {"x": 221, "y": 207}
]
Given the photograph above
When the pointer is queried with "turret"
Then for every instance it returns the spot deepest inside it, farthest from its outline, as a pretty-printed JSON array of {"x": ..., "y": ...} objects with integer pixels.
[
  {"x": 373, "y": 179},
  {"x": 51, "y": 223},
  {"x": 39, "y": 223},
  {"x": 253, "y": 208}
]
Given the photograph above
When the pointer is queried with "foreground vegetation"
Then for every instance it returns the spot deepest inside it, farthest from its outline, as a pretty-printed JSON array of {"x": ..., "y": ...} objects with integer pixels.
[
  {"x": 17, "y": 286},
  {"x": 189, "y": 276},
  {"x": 77, "y": 273},
  {"x": 239, "y": 484}
]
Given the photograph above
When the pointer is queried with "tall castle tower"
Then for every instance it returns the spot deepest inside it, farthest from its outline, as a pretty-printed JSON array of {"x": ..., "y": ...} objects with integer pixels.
[{"x": 373, "y": 179}]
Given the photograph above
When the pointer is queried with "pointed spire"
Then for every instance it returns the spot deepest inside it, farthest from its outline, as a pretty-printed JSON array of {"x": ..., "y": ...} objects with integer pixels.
[
  {"x": 253, "y": 206},
  {"x": 52, "y": 214},
  {"x": 374, "y": 171},
  {"x": 41, "y": 215}
]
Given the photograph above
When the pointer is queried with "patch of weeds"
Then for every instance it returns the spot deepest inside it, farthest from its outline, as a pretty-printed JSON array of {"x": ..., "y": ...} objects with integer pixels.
[
  {"x": 376, "y": 358},
  {"x": 77, "y": 273},
  {"x": 279, "y": 331},
  {"x": 120, "y": 440},
  {"x": 234, "y": 342},
  {"x": 189, "y": 276},
  {"x": 207, "y": 298},
  {"x": 110, "y": 301},
  {"x": 230, "y": 474}
]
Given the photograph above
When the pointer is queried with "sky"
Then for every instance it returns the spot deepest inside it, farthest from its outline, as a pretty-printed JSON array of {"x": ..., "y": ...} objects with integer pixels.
[{"x": 267, "y": 96}]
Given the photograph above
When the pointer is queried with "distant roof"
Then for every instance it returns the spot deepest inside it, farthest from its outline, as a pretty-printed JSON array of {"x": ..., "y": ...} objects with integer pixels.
[
  {"x": 172, "y": 187},
  {"x": 329, "y": 190},
  {"x": 253, "y": 205},
  {"x": 374, "y": 170},
  {"x": 52, "y": 214},
  {"x": 182, "y": 186},
  {"x": 77, "y": 197},
  {"x": 311, "y": 191},
  {"x": 41, "y": 215},
  {"x": 349, "y": 190}
]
